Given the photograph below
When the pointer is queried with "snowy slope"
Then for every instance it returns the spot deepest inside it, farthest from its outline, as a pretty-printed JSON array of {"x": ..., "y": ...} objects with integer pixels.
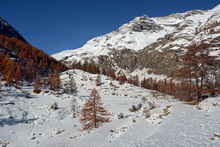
[
  {"x": 172, "y": 123},
  {"x": 178, "y": 29},
  {"x": 124, "y": 37}
]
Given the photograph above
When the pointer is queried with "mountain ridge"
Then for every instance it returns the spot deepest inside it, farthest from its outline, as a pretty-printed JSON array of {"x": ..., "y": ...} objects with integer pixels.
[
  {"x": 7, "y": 30},
  {"x": 145, "y": 41}
]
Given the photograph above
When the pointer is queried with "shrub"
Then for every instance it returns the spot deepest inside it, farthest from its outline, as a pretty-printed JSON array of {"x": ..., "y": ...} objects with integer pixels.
[
  {"x": 134, "y": 121},
  {"x": 24, "y": 116},
  {"x": 121, "y": 116},
  {"x": 139, "y": 106},
  {"x": 144, "y": 99},
  {"x": 54, "y": 106},
  {"x": 98, "y": 80},
  {"x": 37, "y": 91},
  {"x": 146, "y": 113},
  {"x": 135, "y": 108},
  {"x": 151, "y": 105}
]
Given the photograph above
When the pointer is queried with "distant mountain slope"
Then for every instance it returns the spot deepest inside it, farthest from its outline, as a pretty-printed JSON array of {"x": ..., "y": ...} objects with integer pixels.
[
  {"x": 20, "y": 59},
  {"x": 7, "y": 30},
  {"x": 151, "y": 45}
]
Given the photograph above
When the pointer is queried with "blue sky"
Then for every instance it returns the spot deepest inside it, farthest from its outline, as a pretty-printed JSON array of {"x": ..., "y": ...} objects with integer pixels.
[{"x": 56, "y": 25}]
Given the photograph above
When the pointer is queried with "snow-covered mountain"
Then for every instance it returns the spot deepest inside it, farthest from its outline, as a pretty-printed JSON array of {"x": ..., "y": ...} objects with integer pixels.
[
  {"x": 149, "y": 44},
  {"x": 7, "y": 30}
]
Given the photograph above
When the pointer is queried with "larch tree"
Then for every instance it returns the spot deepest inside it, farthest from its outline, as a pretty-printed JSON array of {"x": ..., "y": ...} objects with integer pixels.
[
  {"x": 51, "y": 81},
  {"x": 111, "y": 74},
  {"x": 4, "y": 61},
  {"x": 54, "y": 81},
  {"x": 143, "y": 83},
  {"x": 57, "y": 81},
  {"x": 170, "y": 87},
  {"x": 45, "y": 81},
  {"x": 195, "y": 68},
  {"x": 9, "y": 77},
  {"x": 121, "y": 79},
  {"x": 0, "y": 84},
  {"x": 18, "y": 76},
  {"x": 10, "y": 66},
  {"x": 93, "y": 112},
  {"x": 130, "y": 80},
  {"x": 37, "y": 84},
  {"x": 29, "y": 72}
]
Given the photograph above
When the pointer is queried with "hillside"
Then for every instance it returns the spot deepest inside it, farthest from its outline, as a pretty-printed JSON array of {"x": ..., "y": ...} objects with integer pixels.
[
  {"x": 20, "y": 61},
  {"x": 171, "y": 122},
  {"x": 148, "y": 45},
  {"x": 7, "y": 30}
]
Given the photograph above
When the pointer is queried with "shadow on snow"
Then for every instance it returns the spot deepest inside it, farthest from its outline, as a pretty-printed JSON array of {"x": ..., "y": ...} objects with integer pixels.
[{"x": 13, "y": 121}]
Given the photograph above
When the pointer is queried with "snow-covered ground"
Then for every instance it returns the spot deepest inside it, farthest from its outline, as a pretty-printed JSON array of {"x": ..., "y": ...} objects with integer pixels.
[{"x": 171, "y": 123}]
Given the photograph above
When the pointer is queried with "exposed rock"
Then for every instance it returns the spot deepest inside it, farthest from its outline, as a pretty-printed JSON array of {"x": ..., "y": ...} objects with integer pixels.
[
  {"x": 147, "y": 24},
  {"x": 151, "y": 43}
]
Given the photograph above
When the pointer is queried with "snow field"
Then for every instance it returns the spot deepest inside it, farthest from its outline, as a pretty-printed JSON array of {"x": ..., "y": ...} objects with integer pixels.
[{"x": 171, "y": 123}]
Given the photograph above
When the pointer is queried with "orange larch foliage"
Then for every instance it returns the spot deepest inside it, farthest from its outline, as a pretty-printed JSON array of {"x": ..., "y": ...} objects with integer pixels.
[
  {"x": 18, "y": 76},
  {"x": 30, "y": 59},
  {"x": 93, "y": 112},
  {"x": 9, "y": 77},
  {"x": 122, "y": 79},
  {"x": 37, "y": 84}
]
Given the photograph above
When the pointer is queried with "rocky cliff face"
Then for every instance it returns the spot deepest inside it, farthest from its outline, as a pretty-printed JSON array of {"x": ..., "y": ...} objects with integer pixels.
[
  {"x": 149, "y": 44},
  {"x": 159, "y": 63},
  {"x": 7, "y": 30}
]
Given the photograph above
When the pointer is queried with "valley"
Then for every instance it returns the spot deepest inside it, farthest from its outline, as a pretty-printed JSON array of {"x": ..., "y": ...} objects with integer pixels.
[
  {"x": 153, "y": 82},
  {"x": 171, "y": 122}
]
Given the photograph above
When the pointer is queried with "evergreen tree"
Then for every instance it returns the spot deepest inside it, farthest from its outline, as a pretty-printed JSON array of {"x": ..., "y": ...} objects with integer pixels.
[
  {"x": 70, "y": 86},
  {"x": 98, "y": 80},
  {"x": 136, "y": 80},
  {"x": 74, "y": 108}
]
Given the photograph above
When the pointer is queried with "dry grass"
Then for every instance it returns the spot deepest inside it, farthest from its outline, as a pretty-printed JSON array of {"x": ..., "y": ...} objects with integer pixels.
[{"x": 192, "y": 103}]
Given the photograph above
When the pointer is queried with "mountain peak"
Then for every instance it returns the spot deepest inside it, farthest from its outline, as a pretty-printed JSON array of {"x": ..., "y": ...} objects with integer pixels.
[
  {"x": 145, "y": 23},
  {"x": 153, "y": 43},
  {"x": 7, "y": 30},
  {"x": 143, "y": 17}
]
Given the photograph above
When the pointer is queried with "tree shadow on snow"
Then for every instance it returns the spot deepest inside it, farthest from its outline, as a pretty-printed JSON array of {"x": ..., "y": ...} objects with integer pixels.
[
  {"x": 13, "y": 121},
  {"x": 84, "y": 96}
]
